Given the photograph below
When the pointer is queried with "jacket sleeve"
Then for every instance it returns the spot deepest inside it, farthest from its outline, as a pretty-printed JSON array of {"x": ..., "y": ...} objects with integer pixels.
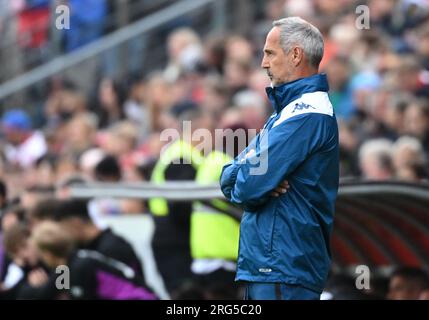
[
  {"x": 249, "y": 182},
  {"x": 230, "y": 171}
]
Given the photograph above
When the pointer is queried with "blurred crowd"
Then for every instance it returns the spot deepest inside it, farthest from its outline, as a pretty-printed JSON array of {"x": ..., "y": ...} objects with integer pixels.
[
  {"x": 29, "y": 35},
  {"x": 402, "y": 283},
  {"x": 55, "y": 251},
  {"x": 379, "y": 87},
  {"x": 379, "y": 81}
]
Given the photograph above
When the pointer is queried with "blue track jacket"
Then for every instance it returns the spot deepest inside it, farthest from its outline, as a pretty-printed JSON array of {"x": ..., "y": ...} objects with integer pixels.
[{"x": 287, "y": 239}]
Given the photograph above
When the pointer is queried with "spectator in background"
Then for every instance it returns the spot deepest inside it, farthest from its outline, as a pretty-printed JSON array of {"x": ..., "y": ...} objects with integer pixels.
[
  {"x": 110, "y": 102},
  {"x": 413, "y": 172},
  {"x": 240, "y": 50},
  {"x": 121, "y": 140},
  {"x": 231, "y": 116},
  {"x": 28, "y": 274},
  {"x": 375, "y": 159},
  {"x": 89, "y": 160},
  {"x": 33, "y": 30},
  {"x": 215, "y": 95},
  {"x": 4, "y": 260},
  {"x": 12, "y": 215},
  {"x": 344, "y": 34},
  {"x": 363, "y": 86},
  {"x": 339, "y": 71},
  {"x": 178, "y": 162},
  {"x": 157, "y": 101},
  {"x": 81, "y": 131},
  {"x": 237, "y": 73},
  {"x": 74, "y": 217},
  {"x": 252, "y": 108},
  {"x": 214, "y": 234},
  {"x": 43, "y": 172},
  {"x": 108, "y": 170},
  {"x": 394, "y": 117},
  {"x": 407, "y": 153},
  {"x": 10, "y": 272},
  {"x": 45, "y": 209},
  {"x": 423, "y": 46},
  {"x": 184, "y": 52},
  {"x": 343, "y": 287},
  {"x": 32, "y": 195},
  {"x": 417, "y": 122},
  {"x": 214, "y": 54},
  {"x": 134, "y": 108},
  {"x": 11, "y": 55},
  {"x": 411, "y": 77},
  {"x": 349, "y": 141},
  {"x": 92, "y": 275},
  {"x": 3, "y": 204},
  {"x": 62, "y": 188},
  {"x": 3, "y": 197},
  {"x": 88, "y": 20},
  {"x": 258, "y": 82},
  {"x": 62, "y": 104},
  {"x": 24, "y": 146},
  {"x": 407, "y": 283},
  {"x": 65, "y": 167},
  {"x": 24, "y": 269}
]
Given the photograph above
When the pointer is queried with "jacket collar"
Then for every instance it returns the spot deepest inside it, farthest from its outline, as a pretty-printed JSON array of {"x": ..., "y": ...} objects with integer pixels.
[{"x": 284, "y": 94}]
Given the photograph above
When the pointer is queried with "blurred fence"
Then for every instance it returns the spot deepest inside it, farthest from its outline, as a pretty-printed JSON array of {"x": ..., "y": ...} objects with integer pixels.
[
  {"x": 136, "y": 47},
  {"x": 16, "y": 32},
  {"x": 379, "y": 224}
]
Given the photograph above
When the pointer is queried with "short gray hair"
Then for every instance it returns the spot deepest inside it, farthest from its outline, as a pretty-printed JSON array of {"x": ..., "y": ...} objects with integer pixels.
[
  {"x": 297, "y": 31},
  {"x": 381, "y": 148}
]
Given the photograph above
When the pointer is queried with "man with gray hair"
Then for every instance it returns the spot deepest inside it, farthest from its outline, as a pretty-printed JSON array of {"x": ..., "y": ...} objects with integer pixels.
[
  {"x": 284, "y": 250},
  {"x": 375, "y": 159}
]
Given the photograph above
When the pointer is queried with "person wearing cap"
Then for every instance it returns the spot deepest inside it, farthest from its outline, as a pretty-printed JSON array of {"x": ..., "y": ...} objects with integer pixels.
[{"x": 23, "y": 145}]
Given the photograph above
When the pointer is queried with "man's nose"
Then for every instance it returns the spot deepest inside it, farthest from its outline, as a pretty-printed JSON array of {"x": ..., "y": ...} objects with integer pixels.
[{"x": 264, "y": 63}]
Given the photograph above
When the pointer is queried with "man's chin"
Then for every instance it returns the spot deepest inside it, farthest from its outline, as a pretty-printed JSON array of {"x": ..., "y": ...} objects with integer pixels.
[
  {"x": 276, "y": 82},
  {"x": 279, "y": 83}
]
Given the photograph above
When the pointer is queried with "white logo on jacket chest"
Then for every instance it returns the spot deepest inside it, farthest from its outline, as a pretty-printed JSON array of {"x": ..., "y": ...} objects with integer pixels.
[
  {"x": 301, "y": 105},
  {"x": 313, "y": 102}
]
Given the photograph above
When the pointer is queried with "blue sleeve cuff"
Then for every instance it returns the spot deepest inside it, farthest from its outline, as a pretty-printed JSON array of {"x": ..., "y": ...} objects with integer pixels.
[{"x": 228, "y": 177}]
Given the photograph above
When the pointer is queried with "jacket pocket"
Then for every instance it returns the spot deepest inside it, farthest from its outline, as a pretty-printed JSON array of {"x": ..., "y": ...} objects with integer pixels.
[{"x": 273, "y": 226}]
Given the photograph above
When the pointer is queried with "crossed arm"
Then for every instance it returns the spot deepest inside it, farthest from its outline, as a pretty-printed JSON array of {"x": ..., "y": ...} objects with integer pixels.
[{"x": 287, "y": 146}]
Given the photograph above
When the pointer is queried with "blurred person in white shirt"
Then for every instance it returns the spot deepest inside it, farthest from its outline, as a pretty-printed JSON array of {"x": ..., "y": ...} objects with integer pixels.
[{"x": 23, "y": 144}]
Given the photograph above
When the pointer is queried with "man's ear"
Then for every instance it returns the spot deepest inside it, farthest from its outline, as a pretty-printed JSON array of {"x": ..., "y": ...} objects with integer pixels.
[{"x": 297, "y": 56}]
